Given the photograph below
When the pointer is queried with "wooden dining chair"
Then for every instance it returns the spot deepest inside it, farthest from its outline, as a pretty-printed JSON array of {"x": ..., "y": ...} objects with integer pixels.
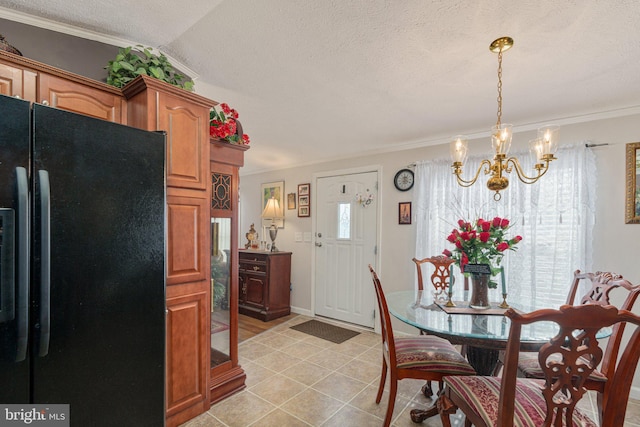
[
  {"x": 440, "y": 275},
  {"x": 440, "y": 280},
  {"x": 508, "y": 400},
  {"x": 425, "y": 357},
  {"x": 599, "y": 293}
]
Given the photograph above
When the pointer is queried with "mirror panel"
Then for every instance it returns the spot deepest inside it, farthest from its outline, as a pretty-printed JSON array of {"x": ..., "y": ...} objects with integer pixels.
[{"x": 220, "y": 291}]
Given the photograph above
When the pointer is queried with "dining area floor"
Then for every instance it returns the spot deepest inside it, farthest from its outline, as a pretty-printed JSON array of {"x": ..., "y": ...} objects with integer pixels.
[{"x": 295, "y": 379}]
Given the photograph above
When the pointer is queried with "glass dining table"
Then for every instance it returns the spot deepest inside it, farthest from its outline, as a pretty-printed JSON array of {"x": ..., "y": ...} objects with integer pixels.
[{"x": 484, "y": 335}]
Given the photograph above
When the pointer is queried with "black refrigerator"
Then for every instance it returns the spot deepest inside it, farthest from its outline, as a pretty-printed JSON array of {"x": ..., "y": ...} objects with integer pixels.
[{"x": 82, "y": 266}]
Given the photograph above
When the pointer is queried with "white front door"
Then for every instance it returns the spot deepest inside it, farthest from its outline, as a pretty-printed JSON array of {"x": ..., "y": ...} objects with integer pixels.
[{"x": 346, "y": 231}]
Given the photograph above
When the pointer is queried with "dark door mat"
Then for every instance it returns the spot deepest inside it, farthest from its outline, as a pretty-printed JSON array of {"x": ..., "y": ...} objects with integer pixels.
[{"x": 325, "y": 331}]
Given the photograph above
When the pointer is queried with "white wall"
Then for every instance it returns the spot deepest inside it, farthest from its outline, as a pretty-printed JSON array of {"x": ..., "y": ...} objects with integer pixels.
[{"x": 616, "y": 244}]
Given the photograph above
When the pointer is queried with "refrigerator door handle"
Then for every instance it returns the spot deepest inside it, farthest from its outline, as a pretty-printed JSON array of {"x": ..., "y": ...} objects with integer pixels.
[
  {"x": 45, "y": 263},
  {"x": 22, "y": 225}
]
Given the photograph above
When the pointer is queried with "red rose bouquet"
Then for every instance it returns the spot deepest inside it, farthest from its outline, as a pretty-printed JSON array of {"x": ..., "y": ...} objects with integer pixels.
[
  {"x": 482, "y": 242},
  {"x": 223, "y": 125}
]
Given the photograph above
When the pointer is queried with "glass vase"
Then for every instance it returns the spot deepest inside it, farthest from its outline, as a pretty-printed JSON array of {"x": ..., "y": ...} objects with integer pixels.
[{"x": 479, "y": 291}]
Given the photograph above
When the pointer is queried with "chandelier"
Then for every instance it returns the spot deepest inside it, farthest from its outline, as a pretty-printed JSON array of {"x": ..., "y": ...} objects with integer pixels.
[{"x": 542, "y": 148}]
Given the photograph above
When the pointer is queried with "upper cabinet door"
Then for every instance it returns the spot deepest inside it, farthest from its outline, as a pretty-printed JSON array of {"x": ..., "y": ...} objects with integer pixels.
[
  {"x": 72, "y": 96},
  {"x": 187, "y": 141},
  {"x": 17, "y": 82}
]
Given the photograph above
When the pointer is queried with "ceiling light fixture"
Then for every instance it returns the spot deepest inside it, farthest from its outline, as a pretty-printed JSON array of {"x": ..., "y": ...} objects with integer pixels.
[{"x": 542, "y": 148}]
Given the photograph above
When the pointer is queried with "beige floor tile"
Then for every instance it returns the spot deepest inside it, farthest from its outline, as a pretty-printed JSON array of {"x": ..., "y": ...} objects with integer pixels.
[
  {"x": 279, "y": 341},
  {"x": 366, "y": 401},
  {"x": 306, "y": 372},
  {"x": 204, "y": 420},
  {"x": 373, "y": 355},
  {"x": 312, "y": 406},
  {"x": 302, "y": 349},
  {"x": 632, "y": 417},
  {"x": 320, "y": 342},
  {"x": 360, "y": 370},
  {"x": 350, "y": 348},
  {"x": 330, "y": 359},
  {"x": 256, "y": 373},
  {"x": 242, "y": 409},
  {"x": 278, "y": 389},
  {"x": 339, "y": 386},
  {"x": 350, "y": 416},
  {"x": 279, "y": 418},
  {"x": 254, "y": 350},
  {"x": 292, "y": 333},
  {"x": 367, "y": 339},
  {"x": 277, "y": 361}
]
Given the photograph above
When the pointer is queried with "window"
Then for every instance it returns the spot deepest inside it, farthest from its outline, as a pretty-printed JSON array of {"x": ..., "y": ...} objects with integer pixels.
[
  {"x": 555, "y": 217},
  {"x": 344, "y": 220}
]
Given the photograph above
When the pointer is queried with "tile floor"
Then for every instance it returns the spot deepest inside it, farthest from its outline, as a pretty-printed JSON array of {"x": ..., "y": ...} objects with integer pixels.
[{"x": 294, "y": 379}]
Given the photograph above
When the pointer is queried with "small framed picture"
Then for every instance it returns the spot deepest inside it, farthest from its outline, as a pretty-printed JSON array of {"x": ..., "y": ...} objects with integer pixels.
[
  {"x": 303, "y": 189},
  {"x": 404, "y": 213},
  {"x": 304, "y": 200},
  {"x": 291, "y": 201}
]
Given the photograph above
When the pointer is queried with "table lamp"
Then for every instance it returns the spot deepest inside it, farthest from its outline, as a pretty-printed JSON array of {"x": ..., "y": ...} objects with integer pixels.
[{"x": 272, "y": 212}]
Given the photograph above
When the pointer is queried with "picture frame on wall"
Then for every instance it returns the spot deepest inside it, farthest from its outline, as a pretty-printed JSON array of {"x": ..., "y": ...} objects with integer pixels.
[
  {"x": 268, "y": 190},
  {"x": 304, "y": 200},
  {"x": 632, "y": 206},
  {"x": 404, "y": 213},
  {"x": 291, "y": 201}
]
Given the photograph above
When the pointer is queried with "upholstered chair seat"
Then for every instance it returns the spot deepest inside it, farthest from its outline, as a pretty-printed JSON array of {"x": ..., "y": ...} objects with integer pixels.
[{"x": 482, "y": 395}]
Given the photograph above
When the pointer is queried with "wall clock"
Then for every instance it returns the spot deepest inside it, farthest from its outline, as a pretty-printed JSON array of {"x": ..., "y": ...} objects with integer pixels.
[{"x": 403, "y": 179}]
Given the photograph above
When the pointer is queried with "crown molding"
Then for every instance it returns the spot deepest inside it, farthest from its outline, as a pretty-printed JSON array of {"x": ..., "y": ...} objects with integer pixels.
[{"x": 71, "y": 30}]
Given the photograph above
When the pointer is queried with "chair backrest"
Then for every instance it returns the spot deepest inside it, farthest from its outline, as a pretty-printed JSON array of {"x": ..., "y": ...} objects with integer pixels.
[
  {"x": 602, "y": 283},
  {"x": 577, "y": 345},
  {"x": 388, "y": 344},
  {"x": 440, "y": 276}
]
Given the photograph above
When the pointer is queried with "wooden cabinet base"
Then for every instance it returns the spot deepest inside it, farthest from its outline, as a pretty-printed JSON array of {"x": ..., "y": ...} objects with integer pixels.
[
  {"x": 264, "y": 315},
  {"x": 226, "y": 384},
  {"x": 185, "y": 415}
]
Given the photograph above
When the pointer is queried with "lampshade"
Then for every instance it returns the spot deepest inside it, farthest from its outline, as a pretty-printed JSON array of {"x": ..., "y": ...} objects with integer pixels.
[{"x": 272, "y": 210}]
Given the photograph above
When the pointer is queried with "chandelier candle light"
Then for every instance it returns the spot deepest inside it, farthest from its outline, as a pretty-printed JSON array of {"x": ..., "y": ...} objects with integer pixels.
[{"x": 542, "y": 148}]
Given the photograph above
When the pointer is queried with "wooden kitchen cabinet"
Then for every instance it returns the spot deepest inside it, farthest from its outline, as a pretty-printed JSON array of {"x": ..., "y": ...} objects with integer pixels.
[
  {"x": 37, "y": 82},
  {"x": 226, "y": 376},
  {"x": 184, "y": 116},
  {"x": 264, "y": 284}
]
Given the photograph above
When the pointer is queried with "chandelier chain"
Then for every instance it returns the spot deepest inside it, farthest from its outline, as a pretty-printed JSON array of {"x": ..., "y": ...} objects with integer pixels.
[{"x": 499, "y": 88}]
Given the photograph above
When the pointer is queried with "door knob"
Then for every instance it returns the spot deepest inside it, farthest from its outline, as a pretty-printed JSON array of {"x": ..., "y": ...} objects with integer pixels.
[{"x": 318, "y": 244}]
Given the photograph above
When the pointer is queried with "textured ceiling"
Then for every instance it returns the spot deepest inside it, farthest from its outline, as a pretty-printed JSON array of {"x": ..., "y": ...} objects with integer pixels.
[{"x": 317, "y": 80}]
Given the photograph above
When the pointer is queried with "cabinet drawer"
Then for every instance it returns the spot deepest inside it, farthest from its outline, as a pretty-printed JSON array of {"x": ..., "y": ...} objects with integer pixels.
[{"x": 253, "y": 267}]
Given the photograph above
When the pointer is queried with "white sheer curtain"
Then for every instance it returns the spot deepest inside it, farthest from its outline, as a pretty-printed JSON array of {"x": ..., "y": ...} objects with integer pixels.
[{"x": 555, "y": 217}]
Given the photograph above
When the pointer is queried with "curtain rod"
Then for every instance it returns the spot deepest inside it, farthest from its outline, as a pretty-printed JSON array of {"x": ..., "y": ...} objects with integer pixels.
[{"x": 595, "y": 145}]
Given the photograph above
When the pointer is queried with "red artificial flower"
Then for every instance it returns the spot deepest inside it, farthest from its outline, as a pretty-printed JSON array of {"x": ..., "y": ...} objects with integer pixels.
[
  {"x": 464, "y": 260},
  {"x": 502, "y": 246},
  {"x": 496, "y": 222},
  {"x": 452, "y": 238},
  {"x": 486, "y": 226},
  {"x": 458, "y": 244},
  {"x": 484, "y": 236},
  {"x": 447, "y": 253},
  {"x": 225, "y": 108},
  {"x": 504, "y": 223},
  {"x": 464, "y": 235},
  {"x": 245, "y": 139},
  {"x": 461, "y": 223}
]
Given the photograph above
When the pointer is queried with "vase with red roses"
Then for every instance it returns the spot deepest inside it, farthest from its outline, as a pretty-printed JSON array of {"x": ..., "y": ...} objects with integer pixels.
[{"x": 481, "y": 244}]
